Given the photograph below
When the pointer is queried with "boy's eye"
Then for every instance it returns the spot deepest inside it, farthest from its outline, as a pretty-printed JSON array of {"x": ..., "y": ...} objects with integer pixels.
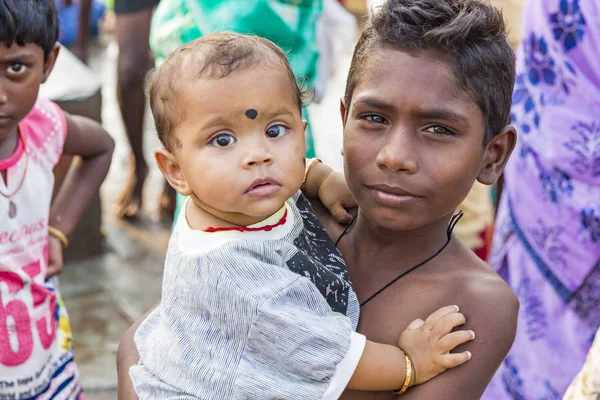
[
  {"x": 223, "y": 140},
  {"x": 376, "y": 119},
  {"x": 16, "y": 69},
  {"x": 439, "y": 130},
  {"x": 276, "y": 131}
]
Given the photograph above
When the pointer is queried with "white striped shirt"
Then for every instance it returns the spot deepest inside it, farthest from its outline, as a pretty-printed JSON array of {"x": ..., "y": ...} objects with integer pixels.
[{"x": 251, "y": 315}]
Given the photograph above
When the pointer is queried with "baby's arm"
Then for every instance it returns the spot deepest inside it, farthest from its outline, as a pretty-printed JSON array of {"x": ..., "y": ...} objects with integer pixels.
[
  {"x": 298, "y": 345},
  {"x": 428, "y": 345},
  {"x": 331, "y": 188}
]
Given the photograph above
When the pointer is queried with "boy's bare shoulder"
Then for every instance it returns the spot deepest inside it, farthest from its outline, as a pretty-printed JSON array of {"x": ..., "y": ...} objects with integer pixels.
[
  {"x": 485, "y": 297},
  {"x": 491, "y": 310},
  {"x": 480, "y": 282}
]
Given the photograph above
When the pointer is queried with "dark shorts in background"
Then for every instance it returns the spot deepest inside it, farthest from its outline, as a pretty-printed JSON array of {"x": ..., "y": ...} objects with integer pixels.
[{"x": 133, "y": 6}]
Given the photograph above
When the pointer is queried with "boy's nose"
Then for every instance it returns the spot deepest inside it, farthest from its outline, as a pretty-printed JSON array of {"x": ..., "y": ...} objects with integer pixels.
[{"x": 397, "y": 154}]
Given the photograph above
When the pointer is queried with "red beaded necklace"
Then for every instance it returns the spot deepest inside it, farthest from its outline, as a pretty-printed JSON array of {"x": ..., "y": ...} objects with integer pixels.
[{"x": 267, "y": 228}]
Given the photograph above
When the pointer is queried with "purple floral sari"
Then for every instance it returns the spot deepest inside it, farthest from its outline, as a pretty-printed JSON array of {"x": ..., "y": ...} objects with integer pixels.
[{"x": 547, "y": 243}]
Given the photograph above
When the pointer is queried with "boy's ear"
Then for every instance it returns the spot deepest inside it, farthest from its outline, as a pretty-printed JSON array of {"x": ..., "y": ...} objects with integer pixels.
[
  {"x": 167, "y": 163},
  {"x": 49, "y": 64},
  {"x": 343, "y": 112},
  {"x": 496, "y": 155},
  {"x": 343, "y": 115}
]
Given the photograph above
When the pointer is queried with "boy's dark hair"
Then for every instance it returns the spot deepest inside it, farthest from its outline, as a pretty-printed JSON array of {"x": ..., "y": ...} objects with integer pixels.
[
  {"x": 471, "y": 32},
  {"x": 213, "y": 56},
  {"x": 29, "y": 21}
]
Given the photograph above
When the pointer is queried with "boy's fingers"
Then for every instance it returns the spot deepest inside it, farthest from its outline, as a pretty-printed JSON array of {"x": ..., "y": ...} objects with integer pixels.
[
  {"x": 349, "y": 201},
  {"x": 416, "y": 324},
  {"x": 448, "y": 322},
  {"x": 456, "y": 359},
  {"x": 442, "y": 312},
  {"x": 340, "y": 214},
  {"x": 451, "y": 340}
]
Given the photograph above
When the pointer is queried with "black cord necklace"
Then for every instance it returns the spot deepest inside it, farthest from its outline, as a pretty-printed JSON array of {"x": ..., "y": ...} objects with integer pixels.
[{"x": 451, "y": 225}]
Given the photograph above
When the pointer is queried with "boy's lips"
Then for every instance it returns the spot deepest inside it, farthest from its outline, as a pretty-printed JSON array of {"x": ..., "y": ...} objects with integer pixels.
[
  {"x": 263, "y": 187},
  {"x": 392, "y": 196}
]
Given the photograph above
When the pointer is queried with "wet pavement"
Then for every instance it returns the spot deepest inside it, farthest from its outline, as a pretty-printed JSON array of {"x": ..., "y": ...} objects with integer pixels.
[{"x": 105, "y": 294}]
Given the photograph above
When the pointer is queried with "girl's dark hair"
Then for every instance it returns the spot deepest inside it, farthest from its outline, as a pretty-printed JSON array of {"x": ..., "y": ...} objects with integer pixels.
[
  {"x": 29, "y": 21},
  {"x": 471, "y": 32}
]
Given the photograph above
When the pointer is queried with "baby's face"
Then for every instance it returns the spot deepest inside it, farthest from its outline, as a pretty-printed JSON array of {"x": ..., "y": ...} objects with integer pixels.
[{"x": 241, "y": 144}]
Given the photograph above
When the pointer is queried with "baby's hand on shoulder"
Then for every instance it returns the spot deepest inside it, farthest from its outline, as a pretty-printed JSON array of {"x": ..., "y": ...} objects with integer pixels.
[
  {"x": 335, "y": 194},
  {"x": 428, "y": 343}
]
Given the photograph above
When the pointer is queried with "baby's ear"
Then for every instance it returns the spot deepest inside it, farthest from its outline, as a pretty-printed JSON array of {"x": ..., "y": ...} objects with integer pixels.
[
  {"x": 496, "y": 155},
  {"x": 167, "y": 162}
]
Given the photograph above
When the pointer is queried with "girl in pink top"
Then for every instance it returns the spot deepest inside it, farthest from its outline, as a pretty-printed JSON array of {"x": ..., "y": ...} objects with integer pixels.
[{"x": 36, "y": 360}]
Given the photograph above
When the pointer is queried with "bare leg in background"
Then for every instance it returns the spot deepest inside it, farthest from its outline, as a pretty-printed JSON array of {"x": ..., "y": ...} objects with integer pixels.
[
  {"x": 80, "y": 48},
  {"x": 134, "y": 62}
]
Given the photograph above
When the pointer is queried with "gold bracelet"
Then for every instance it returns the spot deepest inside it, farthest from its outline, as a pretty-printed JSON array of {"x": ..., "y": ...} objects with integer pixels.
[
  {"x": 409, "y": 369},
  {"x": 59, "y": 235},
  {"x": 309, "y": 163}
]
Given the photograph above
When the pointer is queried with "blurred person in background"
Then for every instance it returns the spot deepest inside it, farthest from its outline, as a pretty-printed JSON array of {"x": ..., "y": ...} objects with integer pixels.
[
  {"x": 79, "y": 19},
  {"x": 36, "y": 355},
  {"x": 547, "y": 239},
  {"x": 586, "y": 385},
  {"x": 133, "y": 20},
  {"x": 290, "y": 25}
]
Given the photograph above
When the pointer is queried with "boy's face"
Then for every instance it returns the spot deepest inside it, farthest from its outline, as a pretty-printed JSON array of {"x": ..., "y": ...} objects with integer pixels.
[
  {"x": 240, "y": 148},
  {"x": 22, "y": 71},
  {"x": 413, "y": 140}
]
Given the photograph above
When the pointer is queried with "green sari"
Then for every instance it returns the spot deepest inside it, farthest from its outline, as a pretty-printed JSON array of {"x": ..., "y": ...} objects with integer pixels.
[{"x": 291, "y": 24}]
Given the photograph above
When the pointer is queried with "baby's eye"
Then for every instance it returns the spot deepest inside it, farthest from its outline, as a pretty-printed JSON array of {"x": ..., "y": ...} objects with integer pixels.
[
  {"x": 223, "y": 140},
  {"x": 376, "y": 119},
  {"x": 16, "y": 69},
  {"x": 439, "y": 130},
  {"x": 276, "y": 131}
]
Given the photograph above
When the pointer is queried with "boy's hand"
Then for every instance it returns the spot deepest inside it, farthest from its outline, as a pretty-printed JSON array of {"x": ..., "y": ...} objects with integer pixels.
[
  {"x": 55, "y": 257},
  {"x": 335, "y": 194},
  {"x": 428, "y": 343}
]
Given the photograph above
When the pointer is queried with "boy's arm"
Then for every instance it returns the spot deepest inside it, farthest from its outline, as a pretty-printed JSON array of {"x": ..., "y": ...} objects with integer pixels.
[
  {"x": 493, "y": 315},
  {"x": 127, "y": 356},
  {"x": 87, "y": 139}
]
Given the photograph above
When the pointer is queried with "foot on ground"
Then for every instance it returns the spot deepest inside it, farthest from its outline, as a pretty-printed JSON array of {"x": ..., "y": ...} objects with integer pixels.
[{"x": 130, "y": 204}]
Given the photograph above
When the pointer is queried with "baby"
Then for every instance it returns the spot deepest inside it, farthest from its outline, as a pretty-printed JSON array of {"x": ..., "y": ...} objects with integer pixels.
[{"x": 256, "y": 300}]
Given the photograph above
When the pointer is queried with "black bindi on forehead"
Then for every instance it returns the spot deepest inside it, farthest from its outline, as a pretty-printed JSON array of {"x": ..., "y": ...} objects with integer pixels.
[{"x": 251, "y": 113}]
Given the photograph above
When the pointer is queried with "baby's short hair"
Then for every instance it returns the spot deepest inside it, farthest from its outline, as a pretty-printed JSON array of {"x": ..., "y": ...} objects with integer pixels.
[
  {"x": 29, "y": 21},
  {"x": 471, "y": 32},
  {"x": 213, "y": 56}
]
